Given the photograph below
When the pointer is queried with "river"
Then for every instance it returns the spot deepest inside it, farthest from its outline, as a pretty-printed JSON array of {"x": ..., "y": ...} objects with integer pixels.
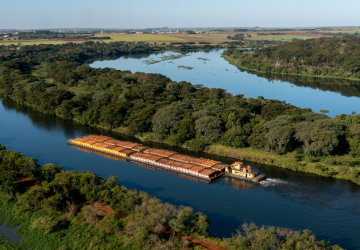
[
  {"x": 211, "y": 70},
  {"x": 330, "y": 208}
]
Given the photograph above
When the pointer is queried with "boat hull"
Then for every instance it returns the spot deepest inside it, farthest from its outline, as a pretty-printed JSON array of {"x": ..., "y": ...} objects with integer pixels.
[{"x": 255, "y": 179}]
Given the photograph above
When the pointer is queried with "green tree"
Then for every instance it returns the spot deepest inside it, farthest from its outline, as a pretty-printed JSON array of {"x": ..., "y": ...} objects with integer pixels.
[
  {"x": 187, "y": 129},
  {"x": 165, "y": 117},
  {"x": 208, "y": 128}
]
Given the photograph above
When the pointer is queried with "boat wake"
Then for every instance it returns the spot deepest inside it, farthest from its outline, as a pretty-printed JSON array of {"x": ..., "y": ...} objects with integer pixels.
[{"x": 271, "y": 182}]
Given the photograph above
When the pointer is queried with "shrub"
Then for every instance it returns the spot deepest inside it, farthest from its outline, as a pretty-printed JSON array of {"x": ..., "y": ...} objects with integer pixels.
[{"x": 45, "y": 223}]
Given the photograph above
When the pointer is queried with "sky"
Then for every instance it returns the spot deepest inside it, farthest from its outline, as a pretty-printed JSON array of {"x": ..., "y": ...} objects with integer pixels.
[{"x": 41, "y": 14}]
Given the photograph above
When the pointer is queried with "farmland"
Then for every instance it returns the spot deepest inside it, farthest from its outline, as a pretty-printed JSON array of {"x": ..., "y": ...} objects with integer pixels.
[{"x": 213, "y": 38}]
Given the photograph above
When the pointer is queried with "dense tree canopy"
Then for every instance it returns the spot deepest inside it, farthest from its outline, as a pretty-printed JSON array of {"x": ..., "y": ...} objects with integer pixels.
[{"x": 334, "y": 57}]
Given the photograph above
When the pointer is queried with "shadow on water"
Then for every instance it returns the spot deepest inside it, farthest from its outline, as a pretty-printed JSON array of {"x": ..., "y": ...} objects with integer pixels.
[{"x": 9, "y": 233}]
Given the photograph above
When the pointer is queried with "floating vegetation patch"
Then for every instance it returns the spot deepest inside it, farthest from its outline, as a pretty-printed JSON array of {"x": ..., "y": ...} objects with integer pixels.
[
  {"x": 149, "y": 62},
  {"x": 204, "y": 59},
  {"x": 184, "y": 67},
  {"x": 165, "y": 58}
]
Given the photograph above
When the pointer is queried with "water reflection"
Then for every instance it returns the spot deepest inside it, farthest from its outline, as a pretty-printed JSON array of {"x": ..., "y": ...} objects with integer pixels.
[
  {"x": 9, "y": 233},
  {"x": 341, "y": 86}
]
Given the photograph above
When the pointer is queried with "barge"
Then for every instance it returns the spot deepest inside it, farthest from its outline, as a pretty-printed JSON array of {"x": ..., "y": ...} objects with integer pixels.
[{"x": 198, "y": 169}]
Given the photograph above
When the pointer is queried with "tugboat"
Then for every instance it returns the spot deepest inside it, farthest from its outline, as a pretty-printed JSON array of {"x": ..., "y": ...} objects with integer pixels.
[{"x": 245, "y": 173}]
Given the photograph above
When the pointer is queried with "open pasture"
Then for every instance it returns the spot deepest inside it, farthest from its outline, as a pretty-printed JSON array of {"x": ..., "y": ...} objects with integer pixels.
[
  {"x": 35, "y": 42},
  {"x": 277, "y": 37}
]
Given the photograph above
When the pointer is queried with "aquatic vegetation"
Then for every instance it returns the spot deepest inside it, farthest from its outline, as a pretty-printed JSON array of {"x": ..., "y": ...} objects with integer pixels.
[{"x": 185, "y": 67}]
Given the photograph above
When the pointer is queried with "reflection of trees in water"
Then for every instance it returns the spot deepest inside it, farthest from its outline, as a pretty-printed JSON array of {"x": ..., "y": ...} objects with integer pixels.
[{"x": 341, "y": 86}]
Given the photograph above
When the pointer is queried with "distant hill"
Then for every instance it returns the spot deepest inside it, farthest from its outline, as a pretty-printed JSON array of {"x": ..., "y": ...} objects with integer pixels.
[{"x": 329, "y": 57}]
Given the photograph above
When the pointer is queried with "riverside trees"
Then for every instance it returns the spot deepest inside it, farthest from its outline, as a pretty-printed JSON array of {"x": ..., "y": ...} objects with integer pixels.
[{"x": 329, "y": 56}]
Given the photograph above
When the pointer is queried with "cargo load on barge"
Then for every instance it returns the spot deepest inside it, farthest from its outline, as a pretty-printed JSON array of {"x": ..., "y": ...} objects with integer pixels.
[
  {"x": 158, "y": 158},
  {"x": 166, "y": 160}
]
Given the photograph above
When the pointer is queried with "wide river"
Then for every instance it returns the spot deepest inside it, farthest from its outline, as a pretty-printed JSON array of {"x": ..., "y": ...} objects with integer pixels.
[
  {"x": 209, "y": 69},
  {"x": 330, "y": 208}
]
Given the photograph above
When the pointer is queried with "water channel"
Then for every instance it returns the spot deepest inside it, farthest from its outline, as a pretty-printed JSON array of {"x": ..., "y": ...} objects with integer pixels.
[
  {"x": 211, "y": 70},
  {"x": 330, "y": 208}
]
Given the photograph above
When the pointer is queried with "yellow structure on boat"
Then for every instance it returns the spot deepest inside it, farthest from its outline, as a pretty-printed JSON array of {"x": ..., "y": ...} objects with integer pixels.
[{"x": 237, "y": 169}]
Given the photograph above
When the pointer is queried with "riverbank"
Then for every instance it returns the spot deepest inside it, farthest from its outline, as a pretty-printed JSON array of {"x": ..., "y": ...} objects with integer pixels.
[
  {"x": 330, "y": 57},
  {"x": 235, "y": 62},
  {"x": 294, "y": 161},
  {"x": 340, "y": 167}
]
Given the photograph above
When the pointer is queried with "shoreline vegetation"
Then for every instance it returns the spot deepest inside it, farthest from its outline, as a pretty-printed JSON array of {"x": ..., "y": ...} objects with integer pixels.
[
  {"x": 58, "y": 209},
  {"x": 238, "y": 65},
  {"x": 329, "y": 57},
  {"x": 56, "y": 80}
]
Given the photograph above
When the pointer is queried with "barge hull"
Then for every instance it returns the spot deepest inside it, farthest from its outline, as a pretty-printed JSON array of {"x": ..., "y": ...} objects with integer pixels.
[
  {"x": 255, "y": 179},
  {"x": 148, "y": 163}
]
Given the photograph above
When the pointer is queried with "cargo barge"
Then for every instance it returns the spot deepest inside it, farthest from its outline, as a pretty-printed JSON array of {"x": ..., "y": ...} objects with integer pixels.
[{"x": 157, "y": 159}]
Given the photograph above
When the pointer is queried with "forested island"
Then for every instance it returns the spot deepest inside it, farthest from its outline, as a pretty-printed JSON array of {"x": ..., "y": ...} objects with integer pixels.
[
  {"x": 324, "y": 57},
  {"x": 56, "y": 80},
  {"x": 58, "y": 209}
]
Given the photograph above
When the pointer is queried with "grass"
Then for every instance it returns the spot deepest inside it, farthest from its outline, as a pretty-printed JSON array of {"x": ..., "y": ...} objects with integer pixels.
[
  {"x": 277, "y": 37},
  {"x": 74, "y": 234},
  {"x": 352, "y": 31},
  {"x": 34, "y": 42},
  {"x": 214, "y": 38}
]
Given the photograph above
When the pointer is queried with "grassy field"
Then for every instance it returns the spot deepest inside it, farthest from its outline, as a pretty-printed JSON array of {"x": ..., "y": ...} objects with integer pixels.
[
  {"x": 277, "y": 37},
  {"x": 32, "y": 42},
  {"x": 352, "y": 31},
  {"x": 214, "y": 38}
]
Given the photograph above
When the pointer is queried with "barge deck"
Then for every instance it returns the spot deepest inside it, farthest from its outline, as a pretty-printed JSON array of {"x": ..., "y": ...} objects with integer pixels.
[{"x": 152, "y": 165}]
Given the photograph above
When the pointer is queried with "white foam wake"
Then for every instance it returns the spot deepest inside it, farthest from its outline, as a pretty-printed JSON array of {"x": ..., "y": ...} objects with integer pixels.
[{"x": 271, "y": 182}]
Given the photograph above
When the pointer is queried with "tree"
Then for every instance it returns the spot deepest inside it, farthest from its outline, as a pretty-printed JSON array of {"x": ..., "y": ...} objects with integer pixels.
[
  {"x": 196, "y": 145},
  {"x": 187, "y": 129},
  {"x": 164, "y": 118},
  {"x": 320, "y": 137},
  {"x": 208, "y": 128},
  {"x": 280, "y": 138},
  {"x": 235, "y": 138}
]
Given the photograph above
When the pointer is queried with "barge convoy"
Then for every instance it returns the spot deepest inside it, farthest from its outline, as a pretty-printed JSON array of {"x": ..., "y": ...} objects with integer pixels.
[{"x": 166, "y": 160}]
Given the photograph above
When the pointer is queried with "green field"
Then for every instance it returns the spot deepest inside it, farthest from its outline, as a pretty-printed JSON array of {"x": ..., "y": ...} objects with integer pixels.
[
  {"x": 277, "y": 37},
  {"x": 214, "y": 38},
  {"x": 33, "y": 42}
]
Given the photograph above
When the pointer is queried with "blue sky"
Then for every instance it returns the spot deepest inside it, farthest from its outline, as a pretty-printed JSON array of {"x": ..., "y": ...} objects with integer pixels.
[{"x": 187, "y": 13}]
